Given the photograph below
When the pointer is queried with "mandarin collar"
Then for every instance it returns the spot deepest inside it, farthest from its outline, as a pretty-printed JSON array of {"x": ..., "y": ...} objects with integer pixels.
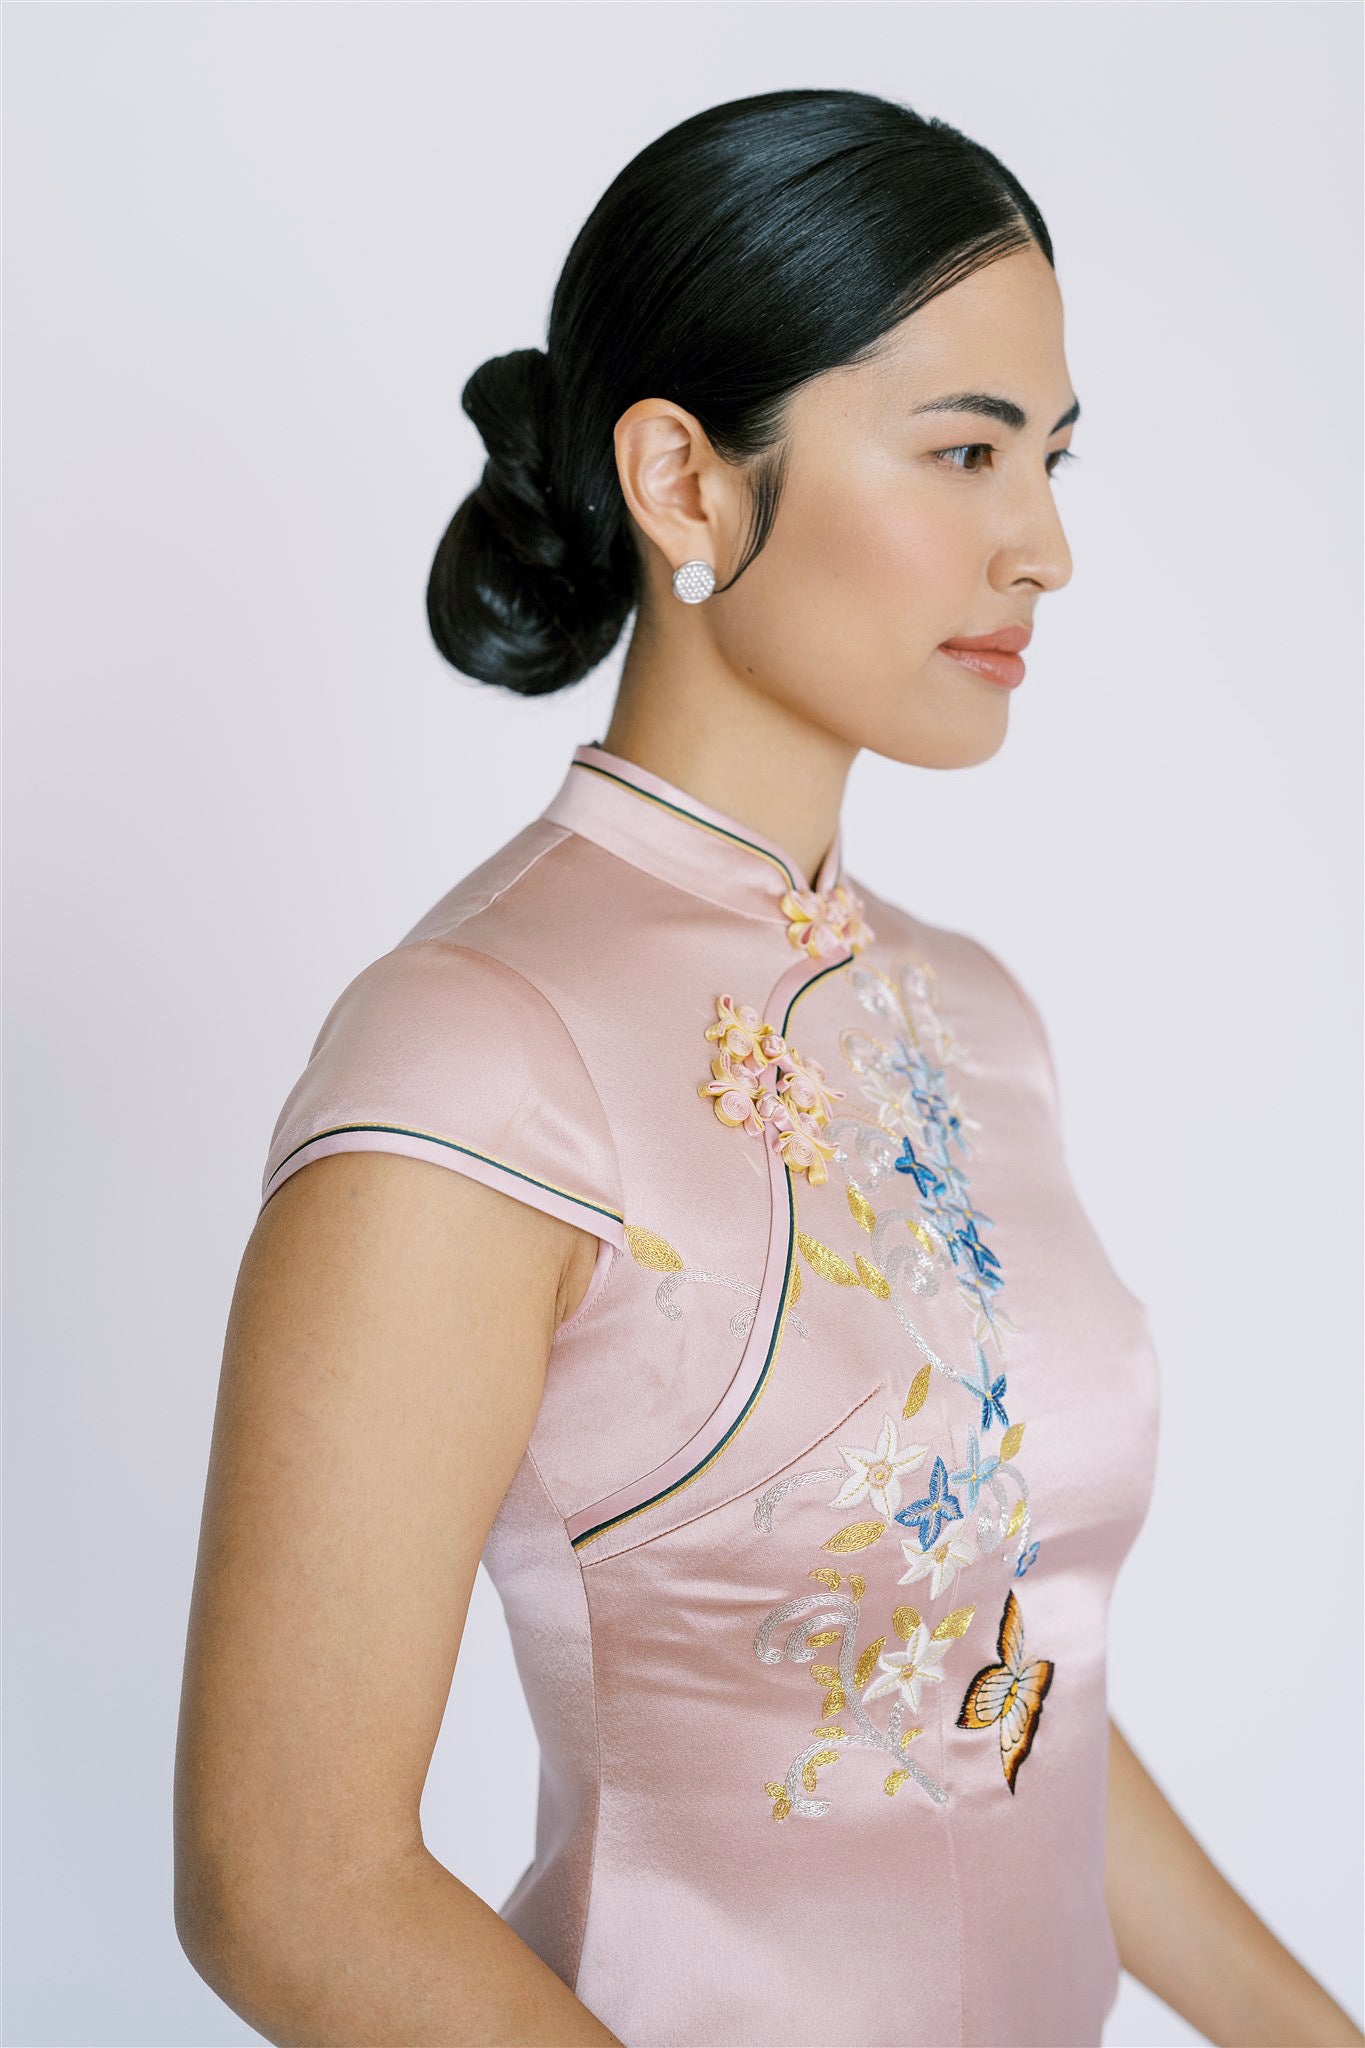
[{"x": 661, "y": 828}]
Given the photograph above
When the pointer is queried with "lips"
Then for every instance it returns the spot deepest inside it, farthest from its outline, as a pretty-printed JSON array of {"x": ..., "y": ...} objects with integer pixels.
[
  {"x": 996, "y": 667},
  {"x": 1008, "y": 640},
  {"x": 993, "y": 655}
]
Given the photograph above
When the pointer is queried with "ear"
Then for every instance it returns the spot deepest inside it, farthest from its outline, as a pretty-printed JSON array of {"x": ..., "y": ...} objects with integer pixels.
[{"x": 684, "y": 499}]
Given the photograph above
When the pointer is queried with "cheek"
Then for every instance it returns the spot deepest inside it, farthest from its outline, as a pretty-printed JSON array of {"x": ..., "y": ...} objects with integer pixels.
[
  {"x": 840, "y": 615},
  {"x": 883, "y": 564},
  {"x": 898, "y": 561}
]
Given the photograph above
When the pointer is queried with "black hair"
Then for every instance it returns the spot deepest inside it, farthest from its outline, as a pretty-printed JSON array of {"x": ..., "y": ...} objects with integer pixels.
[{"x": 752, "y": 247}]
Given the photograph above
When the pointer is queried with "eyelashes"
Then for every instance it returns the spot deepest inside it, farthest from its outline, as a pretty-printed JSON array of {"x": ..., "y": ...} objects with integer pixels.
[{"x": 1054, "y": 461}]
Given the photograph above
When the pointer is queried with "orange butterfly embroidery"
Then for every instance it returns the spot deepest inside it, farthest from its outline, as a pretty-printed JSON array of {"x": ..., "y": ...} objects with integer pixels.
[{"x": 1010, "y": 1692}]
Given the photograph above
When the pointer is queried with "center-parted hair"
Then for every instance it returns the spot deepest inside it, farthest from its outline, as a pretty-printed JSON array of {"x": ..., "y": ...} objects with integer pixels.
[{"x": 752, "y": 247}]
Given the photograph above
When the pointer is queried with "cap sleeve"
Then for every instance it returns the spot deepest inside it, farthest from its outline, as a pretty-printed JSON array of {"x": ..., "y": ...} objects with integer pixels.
[{"x": 441, "y": 1052}]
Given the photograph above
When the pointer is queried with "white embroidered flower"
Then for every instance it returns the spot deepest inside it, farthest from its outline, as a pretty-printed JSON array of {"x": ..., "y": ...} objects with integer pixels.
[
  {"x": 891, "y": 1095},
  {"x": 902, "y": 1670},
  {"x": 877, "y": 1472},
  {"x": 944, "y": 1561}
]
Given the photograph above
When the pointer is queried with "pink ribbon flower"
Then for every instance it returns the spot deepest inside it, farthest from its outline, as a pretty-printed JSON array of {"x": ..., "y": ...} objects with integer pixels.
[
  {"x": 761, "y": 1084},
  {"x": 823, "y": 923}
]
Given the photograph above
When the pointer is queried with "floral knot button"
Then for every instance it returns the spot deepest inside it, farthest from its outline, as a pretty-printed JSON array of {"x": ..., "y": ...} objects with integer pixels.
[
  {"x": 761, "y": 1084},
  {"x": 825, "y": 922}
]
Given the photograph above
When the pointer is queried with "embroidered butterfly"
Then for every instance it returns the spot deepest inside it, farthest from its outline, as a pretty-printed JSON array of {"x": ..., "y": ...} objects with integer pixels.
[{"x": 1010, "y": 1693}]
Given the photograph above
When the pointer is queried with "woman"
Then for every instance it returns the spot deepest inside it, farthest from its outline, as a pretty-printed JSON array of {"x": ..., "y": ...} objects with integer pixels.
[{"x": 686, "y": 1230}]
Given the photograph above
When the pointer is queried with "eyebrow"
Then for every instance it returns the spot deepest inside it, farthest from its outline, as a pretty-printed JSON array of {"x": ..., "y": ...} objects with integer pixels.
[{"x": 1003, "y": 409}]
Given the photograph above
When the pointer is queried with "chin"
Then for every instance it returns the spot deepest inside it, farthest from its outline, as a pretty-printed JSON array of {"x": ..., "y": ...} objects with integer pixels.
[{"x": 960, "y": 745}]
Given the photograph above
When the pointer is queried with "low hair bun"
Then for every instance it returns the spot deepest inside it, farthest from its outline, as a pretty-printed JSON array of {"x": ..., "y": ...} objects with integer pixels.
[{"x": 515, "y": 596}]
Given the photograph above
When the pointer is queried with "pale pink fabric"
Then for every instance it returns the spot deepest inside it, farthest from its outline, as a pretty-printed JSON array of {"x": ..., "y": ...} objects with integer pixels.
[{"x": 733, "y": 1845}]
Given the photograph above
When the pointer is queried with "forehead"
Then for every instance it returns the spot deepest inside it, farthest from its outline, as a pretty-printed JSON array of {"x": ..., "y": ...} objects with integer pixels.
[{"x": 1000, "y": 330}]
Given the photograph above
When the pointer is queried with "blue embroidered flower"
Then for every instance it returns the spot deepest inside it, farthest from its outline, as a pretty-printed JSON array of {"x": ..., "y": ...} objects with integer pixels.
[
  {"x": 938, "y": 1506},
  {"x": 981, "y": 1254},
  {"x": 927, "y": 1089},
  {"x": 926, "y": 1180},
  {"x": 975, "y": 1472},
  {"x": 1025, "y": 1560},
  {"x": 991, "y": 1391}
]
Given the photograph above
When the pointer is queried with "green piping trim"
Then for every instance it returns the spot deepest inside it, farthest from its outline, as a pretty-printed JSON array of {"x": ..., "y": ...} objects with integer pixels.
[
  {"x": 430, "y": 1137},
  {"x": 627, "y": 1514},
  {"x": 587, "y": 1535},
  {"x": 719, "y": 831}
]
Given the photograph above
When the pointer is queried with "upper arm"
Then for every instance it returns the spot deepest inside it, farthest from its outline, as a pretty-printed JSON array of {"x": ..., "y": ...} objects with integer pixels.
[{"x": 385, "y": 1354}]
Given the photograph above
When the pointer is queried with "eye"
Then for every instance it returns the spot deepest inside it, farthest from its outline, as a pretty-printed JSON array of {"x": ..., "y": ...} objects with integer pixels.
[{"x": 945, "y": 455}]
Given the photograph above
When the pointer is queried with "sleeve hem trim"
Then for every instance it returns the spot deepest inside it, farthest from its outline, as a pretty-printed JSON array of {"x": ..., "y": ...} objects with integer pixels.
[{"x": 565, "y": 1203}]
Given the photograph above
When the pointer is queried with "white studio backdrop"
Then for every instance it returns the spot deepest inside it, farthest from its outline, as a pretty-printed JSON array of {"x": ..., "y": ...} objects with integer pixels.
[{"x": 251, "y": 254}]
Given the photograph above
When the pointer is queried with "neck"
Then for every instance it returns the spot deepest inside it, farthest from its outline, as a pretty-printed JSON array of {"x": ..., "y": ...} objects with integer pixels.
[{"x": 736, "y": 750}]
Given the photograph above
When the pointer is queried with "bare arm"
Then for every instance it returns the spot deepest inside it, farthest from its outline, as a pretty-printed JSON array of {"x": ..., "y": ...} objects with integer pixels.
[
  {"x": 385, "y": 1357},
  {"x": 1184, "y": 1932}
]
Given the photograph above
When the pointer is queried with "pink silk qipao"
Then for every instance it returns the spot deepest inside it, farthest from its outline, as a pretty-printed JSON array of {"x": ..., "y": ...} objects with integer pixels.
[{"x": 808, "y": 1561}]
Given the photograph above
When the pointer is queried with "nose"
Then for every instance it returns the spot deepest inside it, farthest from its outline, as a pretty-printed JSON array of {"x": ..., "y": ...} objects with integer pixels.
[{"x": 1037, "y": 552}]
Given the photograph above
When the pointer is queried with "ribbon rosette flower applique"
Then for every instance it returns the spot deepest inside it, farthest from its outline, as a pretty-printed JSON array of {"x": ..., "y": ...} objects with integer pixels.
[
  {"x": 826, "y": 923},
  {"x": 761, "y": 1084}
]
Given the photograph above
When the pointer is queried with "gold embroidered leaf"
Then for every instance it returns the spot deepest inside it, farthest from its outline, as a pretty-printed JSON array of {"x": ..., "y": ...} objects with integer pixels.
[
  {"x": 855, "y": 1536},
  {"x": 873, "y": 1279},
  {"x": 773, "y": 1791},
  {"x": 827, "y": 1574},
  {"x": 955, "y": 1624},
  {"x": 862, "y": 1210},
  {"x": 867, "y": 1663},
  {"x": 831, "y": 1728},
  {"x": 1017, "y": 1513},
  {"x": 857, "y": 1585},
  {"x": 910, "y": 1735},
  {"x": 794, "y": 1289},
  {"x": 825, "y": 1674},
  {"x": 894, "y": 1780},
  {"x": 826, "y": 1263},
  {"x": 919, "y": 1391},
  {"x": 905, "y": 1621},
  {"x": 918, "y": 1230},
  {"x": 782, "y": 1806},
  {"x": 824, "y": 1635},
  {"x": 836, "y": 1699},
  {"x": 647, "y": 1248},
  {"x": 815, "y": 1763},
  {"x": 1011, "y": 1440},
  {"x": 808, "y": 1775}
]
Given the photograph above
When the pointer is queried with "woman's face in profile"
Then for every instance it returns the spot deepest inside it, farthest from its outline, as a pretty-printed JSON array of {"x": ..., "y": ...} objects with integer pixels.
[{"x": 901, "y": 527}]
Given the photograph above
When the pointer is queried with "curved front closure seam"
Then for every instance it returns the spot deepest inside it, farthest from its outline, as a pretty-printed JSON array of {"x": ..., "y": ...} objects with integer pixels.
[{"x": 706, "y": 1444}]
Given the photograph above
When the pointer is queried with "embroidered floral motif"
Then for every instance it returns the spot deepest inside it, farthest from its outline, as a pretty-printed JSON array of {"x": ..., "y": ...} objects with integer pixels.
[
  {"x": 976, "y": 1499},
  {"x": 760, "y": 1084},
  {"x": 877, "y": 1472},
  {"x": 876, "y": 1673},
  {"x": 903, "y": 1671},
  {"x": 937, "y": 1507},
  {"x": 818, "y": 1617},
  {"x": 828, "y": 922},
  {"x": 940, "y": 1565},
  {"x": 656, "y": 1255},
  {"x": 1008, "y": 1694}
]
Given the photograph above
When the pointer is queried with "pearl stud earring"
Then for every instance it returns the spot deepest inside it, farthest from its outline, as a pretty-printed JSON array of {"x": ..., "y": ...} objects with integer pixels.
[{"x": 694, "y": 581}]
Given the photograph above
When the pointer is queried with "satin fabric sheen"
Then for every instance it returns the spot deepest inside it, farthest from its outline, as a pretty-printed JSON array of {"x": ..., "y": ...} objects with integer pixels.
[{"x": 542, "y": 1028}]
